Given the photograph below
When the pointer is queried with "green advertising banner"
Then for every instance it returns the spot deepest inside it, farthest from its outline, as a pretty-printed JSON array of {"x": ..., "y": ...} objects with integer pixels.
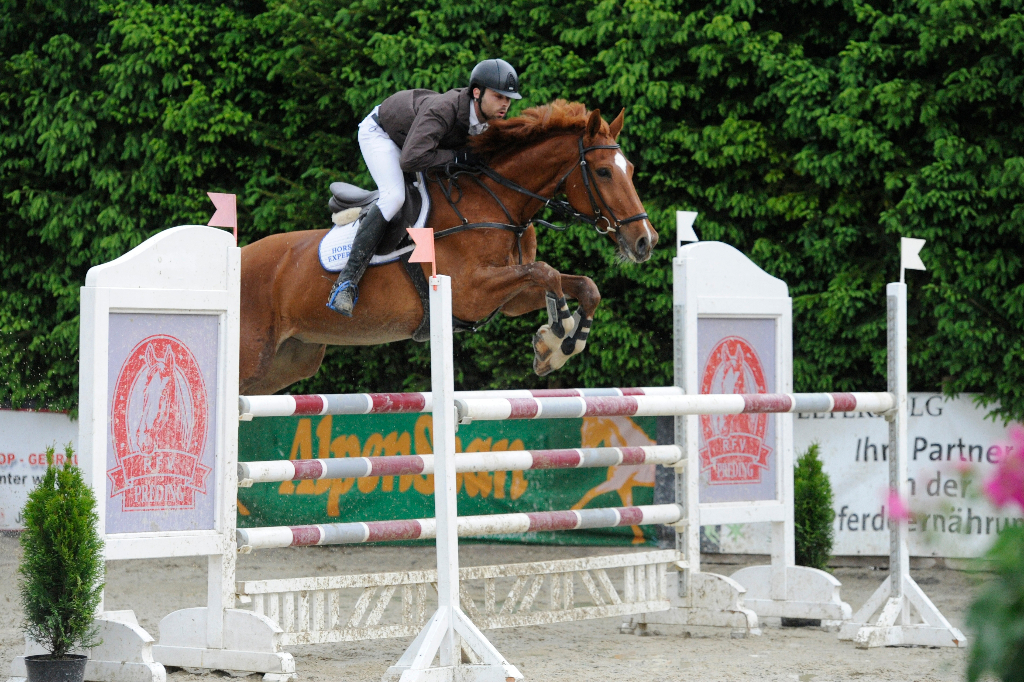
[{"x": 382, "y": 498}]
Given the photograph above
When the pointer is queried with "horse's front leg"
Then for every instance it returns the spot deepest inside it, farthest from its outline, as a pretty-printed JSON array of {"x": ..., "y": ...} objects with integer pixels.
[{"x": 565, "y": 335}]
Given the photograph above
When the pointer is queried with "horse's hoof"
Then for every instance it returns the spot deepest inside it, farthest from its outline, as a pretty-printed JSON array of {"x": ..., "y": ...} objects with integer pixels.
[
  {"x": 542, "y": 368},
  {"x": 548, "y": 355},
  {"x": 544, "y": 342}
]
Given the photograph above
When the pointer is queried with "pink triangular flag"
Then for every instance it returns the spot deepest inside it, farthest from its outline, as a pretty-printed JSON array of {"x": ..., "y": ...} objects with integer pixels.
[
  {"x": 424, "y": 251},
  {"x": 225, "y": 215}
]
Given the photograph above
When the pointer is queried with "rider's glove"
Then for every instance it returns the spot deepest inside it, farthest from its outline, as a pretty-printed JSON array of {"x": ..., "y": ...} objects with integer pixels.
[{"x": 467, "y": 157}]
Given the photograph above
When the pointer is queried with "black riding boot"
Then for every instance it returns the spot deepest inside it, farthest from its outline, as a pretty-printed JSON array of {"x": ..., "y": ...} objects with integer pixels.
[{"x": 346, "y": 292}]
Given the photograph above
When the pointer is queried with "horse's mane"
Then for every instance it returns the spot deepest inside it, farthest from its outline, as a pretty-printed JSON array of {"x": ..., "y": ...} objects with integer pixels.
[{"x": 531, "y": 126}]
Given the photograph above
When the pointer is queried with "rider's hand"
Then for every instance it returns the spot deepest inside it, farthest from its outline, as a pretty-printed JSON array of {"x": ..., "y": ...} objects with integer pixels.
[{"x": 467, "y": 157}]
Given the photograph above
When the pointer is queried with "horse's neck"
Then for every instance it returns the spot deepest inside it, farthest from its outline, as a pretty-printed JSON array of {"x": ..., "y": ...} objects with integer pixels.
[{"x": 537, "y": 168}]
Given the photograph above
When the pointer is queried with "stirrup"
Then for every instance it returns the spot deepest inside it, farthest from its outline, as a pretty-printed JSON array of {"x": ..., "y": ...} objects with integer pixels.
[{"x": 337, "y": 290}]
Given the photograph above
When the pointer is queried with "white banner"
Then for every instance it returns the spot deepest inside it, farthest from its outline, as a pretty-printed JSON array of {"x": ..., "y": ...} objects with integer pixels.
[
  {"x": 24, "y": 436},
  {"x": 947, "y": 437}
]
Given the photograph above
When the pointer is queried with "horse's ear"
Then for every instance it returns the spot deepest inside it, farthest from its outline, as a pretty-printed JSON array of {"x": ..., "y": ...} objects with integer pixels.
[
  {"x": 150, "y": 355},
  {"x": 615, "y": 127},
  {"x": 594, "y": 124}
]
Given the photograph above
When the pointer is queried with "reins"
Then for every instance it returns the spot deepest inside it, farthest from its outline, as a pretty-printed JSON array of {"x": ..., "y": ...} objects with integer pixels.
[{"x": 559, "y": 206}]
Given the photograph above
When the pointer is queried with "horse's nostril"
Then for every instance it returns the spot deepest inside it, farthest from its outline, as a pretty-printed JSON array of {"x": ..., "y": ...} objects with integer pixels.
[{"x": 641, "y": 247}]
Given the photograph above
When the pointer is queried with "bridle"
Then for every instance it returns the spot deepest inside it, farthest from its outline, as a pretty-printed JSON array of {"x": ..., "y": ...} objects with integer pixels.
[
  {"x": 610, "y": 220},
  {"x": 561, "y": 207}
]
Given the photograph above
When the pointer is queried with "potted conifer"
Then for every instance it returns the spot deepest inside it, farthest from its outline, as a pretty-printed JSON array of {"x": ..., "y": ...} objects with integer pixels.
[
  {"x": 812, "y": 511},
  {"x": 61, "y": 571},
  {"x": 812, "y": 519}
]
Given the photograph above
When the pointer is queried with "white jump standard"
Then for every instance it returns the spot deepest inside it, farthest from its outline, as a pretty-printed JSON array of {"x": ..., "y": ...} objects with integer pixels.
[{"x": 906, "y": 616}]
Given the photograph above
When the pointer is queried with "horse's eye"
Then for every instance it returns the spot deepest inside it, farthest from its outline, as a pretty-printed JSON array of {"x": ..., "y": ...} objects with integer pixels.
[{"x": 604, "y": 172}]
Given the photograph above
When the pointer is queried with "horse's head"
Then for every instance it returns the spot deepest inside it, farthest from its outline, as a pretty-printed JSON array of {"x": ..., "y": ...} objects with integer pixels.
[
  {"x": 159, "y": 381},
  {"x": 601, "y": 186},
  {"x": 562, "y": 146}
]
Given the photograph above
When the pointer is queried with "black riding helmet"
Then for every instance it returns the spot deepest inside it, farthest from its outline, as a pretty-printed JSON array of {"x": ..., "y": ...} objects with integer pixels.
[{"x": 498, "y": 75}]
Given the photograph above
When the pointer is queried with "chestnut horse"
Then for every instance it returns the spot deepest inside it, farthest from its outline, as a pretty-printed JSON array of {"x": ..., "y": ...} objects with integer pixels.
[{"x": 560, "y": 147}]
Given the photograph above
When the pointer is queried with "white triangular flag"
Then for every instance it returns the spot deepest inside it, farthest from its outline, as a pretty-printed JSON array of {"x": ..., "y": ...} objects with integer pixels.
[
  {"x": 909, "y": 250},
  {"x": 684, "y": 228}
]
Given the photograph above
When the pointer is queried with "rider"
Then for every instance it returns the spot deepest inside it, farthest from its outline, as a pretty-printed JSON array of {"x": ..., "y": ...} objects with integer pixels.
[{"x": 411, "y": 131}]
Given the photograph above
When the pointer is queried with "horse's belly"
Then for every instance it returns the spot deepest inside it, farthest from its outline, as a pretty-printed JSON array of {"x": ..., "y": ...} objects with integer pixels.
[{"x": 374, "y": 323}]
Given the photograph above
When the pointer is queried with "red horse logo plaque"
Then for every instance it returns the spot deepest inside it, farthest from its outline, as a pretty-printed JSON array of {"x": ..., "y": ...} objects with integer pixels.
[
  {"x": 159, "y": 422},
  {"x": 734, "y": 450}
]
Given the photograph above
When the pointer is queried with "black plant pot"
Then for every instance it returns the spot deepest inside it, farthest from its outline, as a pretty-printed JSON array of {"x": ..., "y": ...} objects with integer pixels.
[{"x": 43, "y": 668}]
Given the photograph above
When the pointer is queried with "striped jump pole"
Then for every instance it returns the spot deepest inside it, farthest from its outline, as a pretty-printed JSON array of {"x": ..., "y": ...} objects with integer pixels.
[
  {"x": 424, "y": 529},
  {"x": 510, "y": 460},
  {"x": 392, "y": 403},
  {"x": 499, "y": 409}
]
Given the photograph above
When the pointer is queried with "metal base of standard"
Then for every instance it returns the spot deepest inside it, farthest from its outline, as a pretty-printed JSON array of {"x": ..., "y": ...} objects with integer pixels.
[
  {"x": 895, "y": 624},
  {"x": 416, "y": 664}
]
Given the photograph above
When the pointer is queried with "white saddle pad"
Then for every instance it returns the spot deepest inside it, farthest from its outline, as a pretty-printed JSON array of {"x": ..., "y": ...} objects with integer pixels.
[{"x": 336, "y": 246}]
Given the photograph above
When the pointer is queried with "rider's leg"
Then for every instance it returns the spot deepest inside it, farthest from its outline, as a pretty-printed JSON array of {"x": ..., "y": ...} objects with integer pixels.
[{"x": 382, "y": 158}]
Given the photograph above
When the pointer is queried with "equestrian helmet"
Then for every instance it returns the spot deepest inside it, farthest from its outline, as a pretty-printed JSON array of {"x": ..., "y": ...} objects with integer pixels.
[{"x": 498, "y": 75}]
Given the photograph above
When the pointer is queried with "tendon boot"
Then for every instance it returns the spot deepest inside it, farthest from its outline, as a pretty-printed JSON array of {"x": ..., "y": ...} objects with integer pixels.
[{"x": 345, "y": 292}]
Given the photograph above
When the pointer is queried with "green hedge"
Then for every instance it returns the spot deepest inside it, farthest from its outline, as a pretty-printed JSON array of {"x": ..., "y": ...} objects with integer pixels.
[{"x": 810, "y": 134}]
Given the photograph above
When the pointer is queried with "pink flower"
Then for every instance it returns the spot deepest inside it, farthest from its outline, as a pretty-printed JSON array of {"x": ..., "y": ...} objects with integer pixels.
[
  {"x": 1007, "y": 483},
  {"x": 898, "y": 509}
]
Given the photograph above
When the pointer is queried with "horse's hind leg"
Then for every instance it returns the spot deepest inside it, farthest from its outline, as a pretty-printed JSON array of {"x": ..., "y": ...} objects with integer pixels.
[{"x": 294, "y": 360}]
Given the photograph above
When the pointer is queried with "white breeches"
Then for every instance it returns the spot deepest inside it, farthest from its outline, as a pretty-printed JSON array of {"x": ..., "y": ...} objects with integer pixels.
[{"x": 383, "y": 159}]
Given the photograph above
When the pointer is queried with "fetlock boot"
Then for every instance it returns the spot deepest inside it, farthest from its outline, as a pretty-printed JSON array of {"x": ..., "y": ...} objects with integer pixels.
[{"x": 345, "y": 292}]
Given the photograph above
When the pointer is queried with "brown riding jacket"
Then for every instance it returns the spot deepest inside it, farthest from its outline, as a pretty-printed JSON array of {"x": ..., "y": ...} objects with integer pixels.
[{"x": 427, "y": 126}]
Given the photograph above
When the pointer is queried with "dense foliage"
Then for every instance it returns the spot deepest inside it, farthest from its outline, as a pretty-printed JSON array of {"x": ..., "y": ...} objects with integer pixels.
[
  {"x": 996, "y": 617},
  {"x": 810, "y": 134},
  {"x": 812, "y": 511},
  {"x": 62, "y": 566}
]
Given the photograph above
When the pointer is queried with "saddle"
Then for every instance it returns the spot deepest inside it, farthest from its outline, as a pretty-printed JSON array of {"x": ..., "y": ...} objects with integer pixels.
[{"x": 345, "y": 196}]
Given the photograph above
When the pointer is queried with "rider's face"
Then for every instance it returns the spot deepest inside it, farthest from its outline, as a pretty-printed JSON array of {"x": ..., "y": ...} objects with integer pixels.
[{"x": 493, "y": 104}]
